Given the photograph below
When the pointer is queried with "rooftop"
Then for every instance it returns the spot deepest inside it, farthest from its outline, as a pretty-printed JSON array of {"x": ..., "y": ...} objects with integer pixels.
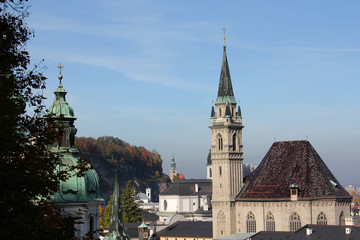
[
  {"x": 196, "y": 229},
  {"x": 291, "y": 163}
]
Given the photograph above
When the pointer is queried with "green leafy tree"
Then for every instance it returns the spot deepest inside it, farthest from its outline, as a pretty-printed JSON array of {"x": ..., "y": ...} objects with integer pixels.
[
  {"x": 27, "y": 168},
  {"x": 105, "y": 221},
  {"x": 130, "y": 207}
]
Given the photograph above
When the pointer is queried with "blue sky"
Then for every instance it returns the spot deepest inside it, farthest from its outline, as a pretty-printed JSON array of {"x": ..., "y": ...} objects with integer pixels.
[{"x": 147, "y": 72}]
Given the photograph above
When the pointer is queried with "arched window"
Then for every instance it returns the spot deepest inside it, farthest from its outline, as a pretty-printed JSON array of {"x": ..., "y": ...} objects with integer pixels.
[
  {"x": 234, "y": 142},
  {"x": 221, "y": 220},
  {"x": 321, "y": 219},
  {"x": 91, "y": 224},
  {"x": 220, "y": 171},
  {"x": 270, "y": 222},
  {"x": 250, "y": 223},
  {"x": 295, "y": 222},
  {"x": 220, "y": 142},
  {"x": 210, "y": 172},
  {"x": 342, "y": 218}
]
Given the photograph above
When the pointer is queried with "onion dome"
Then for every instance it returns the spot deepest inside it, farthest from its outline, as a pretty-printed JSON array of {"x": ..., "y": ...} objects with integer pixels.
[{"x": 60, "y": 108}]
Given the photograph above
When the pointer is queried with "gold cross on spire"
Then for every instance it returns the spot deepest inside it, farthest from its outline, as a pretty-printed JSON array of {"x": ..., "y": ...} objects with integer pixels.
[
  {"x": 224, "y": 29},
  {"x": 60, "y": 75}
]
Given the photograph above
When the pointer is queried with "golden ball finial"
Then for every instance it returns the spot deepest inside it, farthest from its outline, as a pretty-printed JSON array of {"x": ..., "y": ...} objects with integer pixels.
[{"x": 60, "y": 77}]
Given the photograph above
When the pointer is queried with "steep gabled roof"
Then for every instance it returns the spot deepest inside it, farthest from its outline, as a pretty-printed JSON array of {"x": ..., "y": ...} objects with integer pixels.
[
  {"x": 293, "y": 163},
  {"x": 187, "y": 187}
]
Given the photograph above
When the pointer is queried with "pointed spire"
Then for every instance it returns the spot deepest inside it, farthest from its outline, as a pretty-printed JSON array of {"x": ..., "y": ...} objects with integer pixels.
[
  {"x": 116, "y": 230},
  {"x": 238, "y": 114},
  {"x": 225, "y": 92},
  {"x": 212, "y": 110}
]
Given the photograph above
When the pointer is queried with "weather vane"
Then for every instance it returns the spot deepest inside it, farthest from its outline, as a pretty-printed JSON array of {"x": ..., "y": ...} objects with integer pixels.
[
  {"x": 224, "y": 29},
  {"x": 60, "y": 75}
]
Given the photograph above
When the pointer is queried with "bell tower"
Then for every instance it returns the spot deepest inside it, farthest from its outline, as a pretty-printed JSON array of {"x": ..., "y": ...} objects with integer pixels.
[
  {"x": 226, "y": 154},
  {"x": 173, "y": 171}
]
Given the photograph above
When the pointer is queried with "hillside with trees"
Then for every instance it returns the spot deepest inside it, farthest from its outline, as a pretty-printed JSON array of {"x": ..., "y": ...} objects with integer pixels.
[{"x": 134, "y": 163}]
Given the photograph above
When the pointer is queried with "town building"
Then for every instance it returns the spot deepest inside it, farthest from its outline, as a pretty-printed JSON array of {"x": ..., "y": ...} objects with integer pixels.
[
  {"x": 190, "y": 198},
  {"x": 290, "y": 188},
  {"x": 77, "y": 196}
]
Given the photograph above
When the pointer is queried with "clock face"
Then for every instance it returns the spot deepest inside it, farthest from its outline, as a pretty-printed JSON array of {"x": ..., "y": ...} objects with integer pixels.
[{"x": 145, "y": 235}]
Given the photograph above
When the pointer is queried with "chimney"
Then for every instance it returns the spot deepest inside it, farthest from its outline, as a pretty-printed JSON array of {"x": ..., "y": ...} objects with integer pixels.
[
  {"x": 206, "y": 207},
  {"x": 196, "y": 187},
  {"x": 347, "y": 230},
  {"x": 309, "y": 231}
]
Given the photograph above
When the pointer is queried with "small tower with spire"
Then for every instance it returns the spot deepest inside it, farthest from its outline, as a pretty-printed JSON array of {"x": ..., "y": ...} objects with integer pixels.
[
  {"x": 226, "y": 153},
  {"x": 173, "y": 171}
]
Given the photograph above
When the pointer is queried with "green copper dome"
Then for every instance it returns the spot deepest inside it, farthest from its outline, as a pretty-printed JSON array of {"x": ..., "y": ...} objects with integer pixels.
[
  {"x": 78, "y": 189},
  {"x": 60, "y": 108}
]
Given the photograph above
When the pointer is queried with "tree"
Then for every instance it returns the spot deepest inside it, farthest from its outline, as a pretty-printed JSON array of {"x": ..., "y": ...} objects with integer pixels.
[
  {"x": 130, "y": 207},
  {"x": 27, "y": 168}
]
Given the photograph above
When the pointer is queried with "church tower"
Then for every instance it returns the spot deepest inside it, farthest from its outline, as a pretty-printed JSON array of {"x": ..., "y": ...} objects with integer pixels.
[
  {"x": 173, "y": 171},
  {"x": 226, "y": 154},
  {"x": 78, "y": 196}
]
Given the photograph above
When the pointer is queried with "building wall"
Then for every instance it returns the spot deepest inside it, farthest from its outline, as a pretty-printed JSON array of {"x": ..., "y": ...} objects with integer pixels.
[
  {"x": 176, "y": 203},
  {"x": 85, "y": 211},
  {"x": 282, "y": 210}
]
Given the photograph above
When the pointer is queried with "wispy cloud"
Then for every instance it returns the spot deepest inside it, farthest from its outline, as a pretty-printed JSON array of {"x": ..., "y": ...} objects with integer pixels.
[{"x": 136, "y": 69}]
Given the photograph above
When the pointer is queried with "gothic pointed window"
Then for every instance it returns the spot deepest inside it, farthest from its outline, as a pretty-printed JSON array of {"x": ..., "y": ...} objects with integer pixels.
[
  {"x": 234, "y": 142},
  {"x": 342, "y": 218},
  {"x": 321, "y": 219},
  {"x": 221, "y": 220},
  {"x": 270, "y": 222},
  {"x": 295, "y": 222},
  {"x": 250, "y": 223},
  {"x": 220, "y": 142}
]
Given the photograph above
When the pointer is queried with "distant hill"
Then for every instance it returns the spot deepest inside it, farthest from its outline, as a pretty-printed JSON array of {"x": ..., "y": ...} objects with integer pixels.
[{"x": 134, "y": 163}]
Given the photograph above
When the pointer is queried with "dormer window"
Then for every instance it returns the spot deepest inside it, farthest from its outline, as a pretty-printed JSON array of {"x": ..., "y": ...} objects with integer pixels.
[{"x": 294, "y": 192}]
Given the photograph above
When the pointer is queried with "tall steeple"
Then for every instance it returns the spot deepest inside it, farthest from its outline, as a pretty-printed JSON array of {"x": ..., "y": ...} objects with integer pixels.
[
  {"x": 116, "y": 230},
  {"x": 225, "y": 91},
  {"x": 226, "y": 154}
]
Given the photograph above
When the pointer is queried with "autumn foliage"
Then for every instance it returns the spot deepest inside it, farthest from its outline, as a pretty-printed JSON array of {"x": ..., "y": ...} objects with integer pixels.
[{"x": 145, "y": 163}]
